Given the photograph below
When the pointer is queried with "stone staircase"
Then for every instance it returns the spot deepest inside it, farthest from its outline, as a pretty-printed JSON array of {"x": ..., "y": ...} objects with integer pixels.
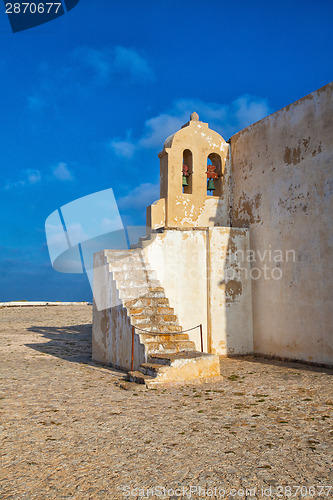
[{"x": 171, "y": 357}]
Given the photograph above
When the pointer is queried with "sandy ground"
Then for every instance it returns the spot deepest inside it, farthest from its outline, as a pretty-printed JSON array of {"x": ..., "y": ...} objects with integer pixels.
[{"x": 70, "y": 431}]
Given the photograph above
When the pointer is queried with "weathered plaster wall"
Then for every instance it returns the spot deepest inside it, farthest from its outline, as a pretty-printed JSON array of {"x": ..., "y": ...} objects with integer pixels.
[
  {"x": 229, "y": 292},
  {"x": 111, "y": 335},
  {"x": 155, "y": 215},
  {"x": 179, "y": 259},
  {"x": 205, "y": 283},
  {"x": 282, "y": 169}
]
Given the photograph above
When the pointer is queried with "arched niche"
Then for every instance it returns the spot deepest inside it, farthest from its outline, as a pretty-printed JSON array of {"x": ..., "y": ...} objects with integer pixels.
[
  {"x": 188, "y": 162},
  {"x": 214, "y": 160}
]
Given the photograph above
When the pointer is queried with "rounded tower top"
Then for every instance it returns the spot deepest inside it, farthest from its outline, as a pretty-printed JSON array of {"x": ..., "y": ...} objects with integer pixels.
[{"x": 195, "y": 133}]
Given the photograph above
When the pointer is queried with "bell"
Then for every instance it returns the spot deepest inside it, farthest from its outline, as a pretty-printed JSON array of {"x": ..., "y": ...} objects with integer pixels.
[
  {"x": 185, "y": 181},
  {"x": 210, "y": 185}
]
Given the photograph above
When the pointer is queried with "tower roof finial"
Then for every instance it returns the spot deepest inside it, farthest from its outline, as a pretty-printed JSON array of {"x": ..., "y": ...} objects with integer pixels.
[{"x": 194, "y": 117}]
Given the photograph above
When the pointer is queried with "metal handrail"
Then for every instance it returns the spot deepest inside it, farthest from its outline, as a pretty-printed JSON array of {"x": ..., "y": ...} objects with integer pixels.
[{"x": 161, "y": 333}]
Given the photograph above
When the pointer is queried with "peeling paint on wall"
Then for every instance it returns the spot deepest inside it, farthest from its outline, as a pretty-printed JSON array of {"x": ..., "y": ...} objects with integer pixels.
[
  {"x": 292, "y": 156},
  {"x": 246, "y": 210},
  {"x": 296, "y": 200},
  {"x": 233, "y": 289}
]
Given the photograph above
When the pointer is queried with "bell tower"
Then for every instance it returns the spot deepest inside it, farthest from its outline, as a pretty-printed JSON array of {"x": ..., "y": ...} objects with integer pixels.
[{"x": 194, "y": 179}]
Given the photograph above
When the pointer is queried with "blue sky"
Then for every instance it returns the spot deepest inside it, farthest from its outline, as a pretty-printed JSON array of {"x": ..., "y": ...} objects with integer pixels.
[{"x": 88, "y": 99}]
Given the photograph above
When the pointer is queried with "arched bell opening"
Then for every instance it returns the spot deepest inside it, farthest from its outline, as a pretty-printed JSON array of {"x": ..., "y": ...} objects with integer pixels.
[
  {"x": 187, "y": 171},
  {"x": 214, "y": 175}
]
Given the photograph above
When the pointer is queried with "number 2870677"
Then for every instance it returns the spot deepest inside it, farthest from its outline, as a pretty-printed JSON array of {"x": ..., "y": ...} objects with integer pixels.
[{"x": 32, "y": 8}]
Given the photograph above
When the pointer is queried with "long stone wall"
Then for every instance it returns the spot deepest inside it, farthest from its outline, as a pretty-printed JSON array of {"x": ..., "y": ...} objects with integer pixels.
[{"x": 282, "y": 170}]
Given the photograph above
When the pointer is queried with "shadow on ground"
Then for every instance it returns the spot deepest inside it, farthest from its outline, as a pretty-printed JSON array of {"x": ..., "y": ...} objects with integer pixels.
[
  {"x": 72, "y": 343},
  {"x": 285, "y": 363}
]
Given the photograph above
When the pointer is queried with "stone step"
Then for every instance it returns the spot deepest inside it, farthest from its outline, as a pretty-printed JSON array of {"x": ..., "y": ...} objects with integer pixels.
[
  {"x": 129, "y": 268},
  {"x": 143, "y": 242},
  {"x": 135, "y": 258},
  {"x": 168, "y": 358},
  {"x": 123, "y": 254},
  {"x": 143, "y": 284},
  {"x": 143, "y": 275},
  {"x": 169, "y": 346},
  {"x": 136, "y": 261},
  {"x": 133, "y": 283},
  {"x": 161, "y": 337},
  {"x": 184, "y": 367},
  {"x": 134, "y": 252},
  {"x": 181, "y": 368},
  {"x": 147, "y": 302},
  {"x": 138, "y": 245},
  {"x": 151, "y": 369},
  {"x": 159, "y": 329},
  {"x": 153, "y": 286},
  {"x": 149, "y": 311},
  {"x": 126, "y": 262},
  {"x": 155, "y": 319},
  {"x": 139, "y": 292},
  {"x": 138, "y": 377}
]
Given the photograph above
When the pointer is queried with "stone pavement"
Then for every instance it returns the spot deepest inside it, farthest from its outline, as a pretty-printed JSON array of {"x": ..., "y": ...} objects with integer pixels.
[{"x": 70, "y": 431}]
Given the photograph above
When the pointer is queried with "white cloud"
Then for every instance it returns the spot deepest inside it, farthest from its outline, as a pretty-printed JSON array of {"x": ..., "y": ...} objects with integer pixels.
[
  {"x": 77, "y": 234},
  {"x": 98, "y": 61},
  {"x": 124, "y": 63},
  {"x": 107, "y": 225},
  {"x": 28, "y": 177},
  {"x": 86, "y": 68},
  {"x": 123, "y": 148},
  {"x": 56, "y": 238},
  {"x": 227, "y": 119},
  {"x": 33, "y": 176},
  {"x": 247, "y": 110},
  {"x": 140, "y": 197},
  {"x": 130, "y": 64},
  {"x": 62, "y": 173},
  {"x": 10, "y": 185},
  {"x": 157, "y": 129}
]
